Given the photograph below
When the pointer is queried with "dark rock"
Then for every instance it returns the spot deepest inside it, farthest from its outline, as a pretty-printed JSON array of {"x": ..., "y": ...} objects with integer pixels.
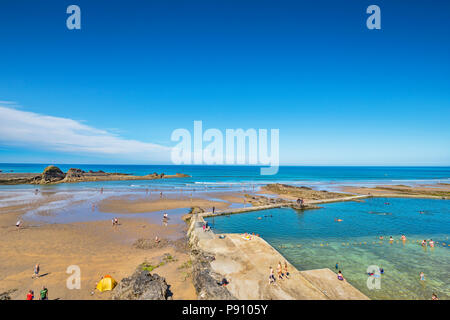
[
  {"x": 207, "y": 282},
  {"x": 150, "y": 243},
  {"x": 74, "y": 173},
  {"x": 52, "y": 174},
  {"x": 7, "y": 294},
  {"x": 142, "y": 286}
]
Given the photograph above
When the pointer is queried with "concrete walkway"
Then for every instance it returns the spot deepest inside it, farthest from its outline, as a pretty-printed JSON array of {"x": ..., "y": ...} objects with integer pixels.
[{"x": 279, "y": 205}]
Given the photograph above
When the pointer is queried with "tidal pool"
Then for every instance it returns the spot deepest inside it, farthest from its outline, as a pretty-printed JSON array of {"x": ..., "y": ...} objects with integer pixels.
[{"x": 312, "y": 239}]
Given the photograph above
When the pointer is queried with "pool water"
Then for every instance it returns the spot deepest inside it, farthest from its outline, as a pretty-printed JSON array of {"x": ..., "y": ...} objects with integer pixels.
[{"x": 312, "y": 239}]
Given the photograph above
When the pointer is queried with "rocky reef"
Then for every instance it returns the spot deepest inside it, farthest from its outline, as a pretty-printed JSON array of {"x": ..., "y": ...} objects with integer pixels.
[
  {"x": 142, "y": 285},
  {"x": 53, "y": 174},
  {"x": 305, "y": 193}
]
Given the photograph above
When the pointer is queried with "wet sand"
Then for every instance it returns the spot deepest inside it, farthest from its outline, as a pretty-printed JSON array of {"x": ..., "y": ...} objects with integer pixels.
[{"x": 125, "y": 204}]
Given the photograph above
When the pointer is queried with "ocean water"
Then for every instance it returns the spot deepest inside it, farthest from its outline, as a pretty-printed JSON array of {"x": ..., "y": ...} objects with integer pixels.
[
  {"x": 233, "y": 178},
  {"x": 312, "y": 239}
]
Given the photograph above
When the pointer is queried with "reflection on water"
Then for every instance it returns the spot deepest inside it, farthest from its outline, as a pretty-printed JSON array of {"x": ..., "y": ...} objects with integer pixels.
[{"x": 313, "y": 239}]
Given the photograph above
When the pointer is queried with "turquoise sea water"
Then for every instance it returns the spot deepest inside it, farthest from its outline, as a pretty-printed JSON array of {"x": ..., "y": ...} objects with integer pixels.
[
  {"x": 312, "y": 239},
  {"x": 235, "y": 177}
]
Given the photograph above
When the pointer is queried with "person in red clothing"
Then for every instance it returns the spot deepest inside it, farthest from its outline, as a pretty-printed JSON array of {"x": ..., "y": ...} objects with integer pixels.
[{"x": 30, "y": 295}]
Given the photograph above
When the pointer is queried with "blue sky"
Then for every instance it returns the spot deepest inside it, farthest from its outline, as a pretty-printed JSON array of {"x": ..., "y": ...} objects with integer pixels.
[{"x": 340, "y": 94}]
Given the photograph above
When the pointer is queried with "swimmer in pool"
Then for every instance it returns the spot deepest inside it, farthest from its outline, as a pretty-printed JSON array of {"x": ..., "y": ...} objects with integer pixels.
[{"x": 338, "y": 220}]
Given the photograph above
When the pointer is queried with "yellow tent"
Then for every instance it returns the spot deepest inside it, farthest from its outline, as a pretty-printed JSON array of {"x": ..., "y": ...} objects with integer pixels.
[{"x": 107, "y": 283}]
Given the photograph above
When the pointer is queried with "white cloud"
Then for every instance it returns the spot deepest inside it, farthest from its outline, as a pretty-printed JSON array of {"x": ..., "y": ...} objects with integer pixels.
[
  {"x": 28, "y": 129},
  {"x": 8, "y": 102}
]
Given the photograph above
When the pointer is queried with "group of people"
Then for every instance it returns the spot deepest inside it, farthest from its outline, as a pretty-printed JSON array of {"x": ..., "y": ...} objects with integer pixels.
[
  {"x": 281, "y": 275},
  {"x": 206, "y": 226},
  {"x": 403, "y": 238},
  {"x": 43, "y": 294},
  {"x": 430, "y": 243}
]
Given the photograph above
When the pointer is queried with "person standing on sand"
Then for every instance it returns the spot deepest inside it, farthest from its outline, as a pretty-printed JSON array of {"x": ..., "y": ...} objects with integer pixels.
[
  {"x": 214, "y": 209},
  {"x": 279, "y": 271},
  {"x": 30, "y": 295},
  {"x": 271, "y": 276},
  {"x": 36, "y": 271},
  {"x": 160, "y": 195},
  {"x": 286, "y": 272},
  {"x": 44, "y": 293}
]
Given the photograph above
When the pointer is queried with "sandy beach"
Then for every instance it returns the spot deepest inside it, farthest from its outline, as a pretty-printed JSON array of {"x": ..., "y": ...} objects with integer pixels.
[
  {"x": 96, "y": 247},
  {"x": 127, "y": 205}
]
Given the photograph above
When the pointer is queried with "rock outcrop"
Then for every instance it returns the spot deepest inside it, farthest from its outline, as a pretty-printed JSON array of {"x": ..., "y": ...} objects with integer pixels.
[
  {"x": 76, "y": 173},
  {"x": 7, "y": 294},
  {"x": 206, "y": 282},
  {"x": 305, "y": 193},
  {"x": 51, "y": 174},
  {"x": 142, "y": 286}
]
